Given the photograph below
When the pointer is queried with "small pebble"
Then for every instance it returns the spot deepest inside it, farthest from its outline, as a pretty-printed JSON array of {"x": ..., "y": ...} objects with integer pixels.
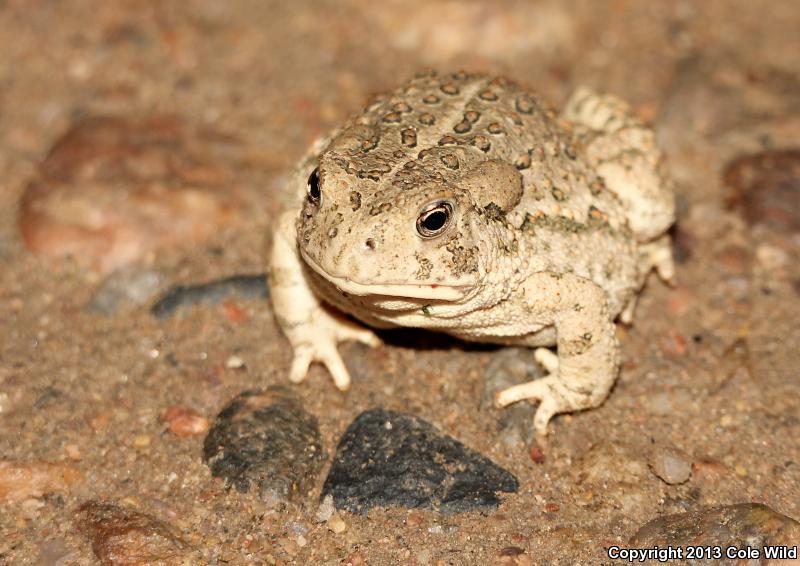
[
  {"x": 337, "y": 524},
  {"x": 184, "y": 422},
  {"x": 20, "y": 481},
  {"x": 57, "y": 552},
  {"x": 512, "y": 556},
  {"x": 234, "y": 362},
  {"x": 357, "y": 559},
  {"x": 415, "y": 519},
  {"x": 141, "y": 441},
  {"x": 124, "y": 288},
  {"x": 73, "y": 452},
  {"x": 670, "y": 464}
]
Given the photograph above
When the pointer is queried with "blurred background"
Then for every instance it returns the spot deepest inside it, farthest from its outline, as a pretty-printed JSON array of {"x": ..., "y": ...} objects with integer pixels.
[
  {"x": 273, "y": 75},
  {"x": 145, "y": 145}
]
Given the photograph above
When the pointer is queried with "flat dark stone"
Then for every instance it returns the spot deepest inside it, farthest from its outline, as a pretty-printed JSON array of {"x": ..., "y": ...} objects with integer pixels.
[
  {"x": 211, "y": 293},
  {"x": 265, "y": 441},
  {"x": 386, "y": 458}
]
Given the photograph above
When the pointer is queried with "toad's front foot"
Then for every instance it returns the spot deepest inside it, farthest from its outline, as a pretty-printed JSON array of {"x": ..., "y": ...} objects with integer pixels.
[
  {"x": 317, "y": 340},
  {"x": 551, "y": 394}
]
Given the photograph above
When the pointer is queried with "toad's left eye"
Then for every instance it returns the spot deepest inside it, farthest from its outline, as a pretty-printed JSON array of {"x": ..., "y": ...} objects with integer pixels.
[
  {"x": 434, "y": 218},
  {"x": 312, "y": 188}
]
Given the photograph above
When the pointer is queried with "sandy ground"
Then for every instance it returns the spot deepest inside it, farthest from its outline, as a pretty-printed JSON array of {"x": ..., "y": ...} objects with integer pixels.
[{"x": 710, "y": 366}]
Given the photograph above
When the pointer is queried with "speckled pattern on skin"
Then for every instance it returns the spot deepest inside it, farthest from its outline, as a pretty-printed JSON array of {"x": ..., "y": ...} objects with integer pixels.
[{"x": 462, "y": 203}]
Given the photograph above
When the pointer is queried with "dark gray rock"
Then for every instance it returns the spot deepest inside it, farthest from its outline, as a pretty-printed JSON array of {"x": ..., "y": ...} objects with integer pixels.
[
  {"x": 744, "y": 525},
  {"x": 124, "y": 288},
  {"x": 386, "y": 458},
  {"x": 211, "y": 293},
  {"x": 265, "y": 441}
]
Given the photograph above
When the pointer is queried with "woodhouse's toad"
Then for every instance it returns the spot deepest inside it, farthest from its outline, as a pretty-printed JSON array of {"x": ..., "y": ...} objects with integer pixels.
[{"x": 462, "y": 204}]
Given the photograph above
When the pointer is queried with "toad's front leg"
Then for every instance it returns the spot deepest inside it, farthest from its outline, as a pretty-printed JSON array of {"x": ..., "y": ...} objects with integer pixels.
[
  {"x": 588, "y": 354},
  {"x": 313, "y": 328}
]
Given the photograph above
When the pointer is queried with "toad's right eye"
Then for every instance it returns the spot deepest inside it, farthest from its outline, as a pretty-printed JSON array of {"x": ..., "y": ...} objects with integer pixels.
[{"x": 312, "y": 188}]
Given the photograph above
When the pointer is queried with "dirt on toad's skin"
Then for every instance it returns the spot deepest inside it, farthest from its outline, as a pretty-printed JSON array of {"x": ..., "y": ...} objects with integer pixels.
[{"x": 710, "y": 367}]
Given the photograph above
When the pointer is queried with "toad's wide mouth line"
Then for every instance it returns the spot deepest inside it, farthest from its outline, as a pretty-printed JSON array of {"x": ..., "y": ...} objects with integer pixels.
[{"x": 431, "y": 291}]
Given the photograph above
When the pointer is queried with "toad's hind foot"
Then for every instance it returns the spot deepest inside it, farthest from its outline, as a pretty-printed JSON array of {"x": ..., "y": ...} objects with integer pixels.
[{"x": 547, "y": 391}]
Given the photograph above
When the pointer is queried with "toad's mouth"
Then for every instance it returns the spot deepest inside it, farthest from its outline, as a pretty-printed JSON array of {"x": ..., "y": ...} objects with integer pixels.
[{"x": 429, "y": 291}]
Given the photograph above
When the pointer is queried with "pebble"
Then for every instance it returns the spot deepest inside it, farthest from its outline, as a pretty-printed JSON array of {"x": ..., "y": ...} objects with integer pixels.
[
  {"x": 20, "y": 481},
  {"x": 121, "y": 535},
  {"x": 355, "y": 559},
  {"x": 184, "y": 421},
  {"x": 57, "y": 552},
  {"x": 765, "y": 188},
  {"x": 337, "y": 524},
  {"x": 670, "y": 464},
  {"x": 512, "y": 556},
  {"x": 265, "y": 441},
  {"x": 741, "y": 525},
  {"x": 126, "y": 287},
  {"x": 234, "y": 362},
  {"x": 114, "y": 189},
  {"x": 211, "y": 293},
  {"x": 73, "y": 452},
  {"x": 509, "y": 367},
  {"x": 142, "y": 441},
  {"x": 386, "y": 458}
]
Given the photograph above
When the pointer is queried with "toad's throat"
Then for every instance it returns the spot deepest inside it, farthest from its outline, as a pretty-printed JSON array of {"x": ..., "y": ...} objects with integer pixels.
[{"x": 429, "y": 291}]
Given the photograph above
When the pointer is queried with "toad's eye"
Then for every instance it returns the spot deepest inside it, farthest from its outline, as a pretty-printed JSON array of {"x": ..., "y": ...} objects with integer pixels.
[
  {"x": 312, "y": 188},
  {"x": 434, "y": 218}
]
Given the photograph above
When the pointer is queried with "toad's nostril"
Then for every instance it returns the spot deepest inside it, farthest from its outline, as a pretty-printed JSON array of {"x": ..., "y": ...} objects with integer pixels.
[{"x": 370, "y": 244}]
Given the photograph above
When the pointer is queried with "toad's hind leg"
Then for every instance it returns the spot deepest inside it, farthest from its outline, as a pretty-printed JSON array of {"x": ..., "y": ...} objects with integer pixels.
[{"x": 624, "y": 152}]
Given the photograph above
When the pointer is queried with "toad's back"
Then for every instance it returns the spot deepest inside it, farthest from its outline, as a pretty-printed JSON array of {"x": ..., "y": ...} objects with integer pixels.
[{"x": 434, "y": 128}]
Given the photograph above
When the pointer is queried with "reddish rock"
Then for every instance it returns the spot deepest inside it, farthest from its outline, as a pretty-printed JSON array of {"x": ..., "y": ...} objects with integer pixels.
[
  {"x": 120, "y": 535},
  {"x": 751, "y": 525},
  {"x": 674, "y": 343},
  {"x": 536, "y": 452},
  {"x": 512, "y": 556},
  {"x": 112, "y": 189},
  {"x": 184, "y": 422},
  {"x": 766, "y": 188},
  {"x": 20, "y": 481}
]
